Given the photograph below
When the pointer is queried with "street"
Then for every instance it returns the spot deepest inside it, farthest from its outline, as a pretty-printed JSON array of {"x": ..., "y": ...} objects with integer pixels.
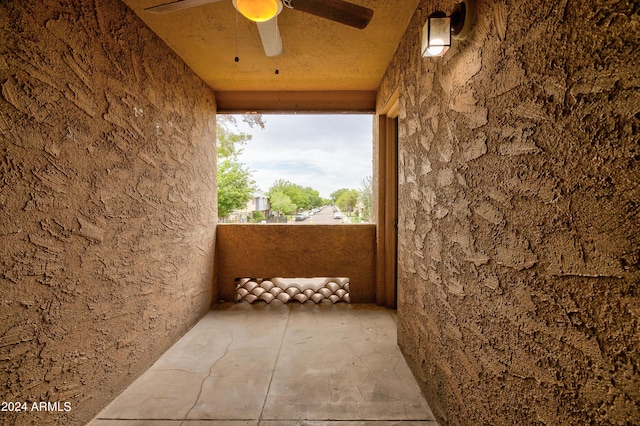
[{"x": 323, "y": 217}]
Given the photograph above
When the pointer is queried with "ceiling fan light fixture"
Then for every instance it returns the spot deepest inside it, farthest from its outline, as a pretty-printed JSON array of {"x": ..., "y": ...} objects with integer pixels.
[{"x": 257, "y": 10}]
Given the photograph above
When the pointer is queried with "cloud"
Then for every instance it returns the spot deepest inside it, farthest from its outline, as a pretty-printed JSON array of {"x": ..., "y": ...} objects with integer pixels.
[{"x": 324, "y": 152}]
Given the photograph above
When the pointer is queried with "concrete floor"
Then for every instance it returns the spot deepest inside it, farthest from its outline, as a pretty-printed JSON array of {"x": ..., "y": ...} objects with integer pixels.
[{"x": 279, "y": 365}]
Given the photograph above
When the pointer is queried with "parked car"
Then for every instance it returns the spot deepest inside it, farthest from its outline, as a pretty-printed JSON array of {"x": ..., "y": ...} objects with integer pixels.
[
  {"x": 300, "y": 216},
  {"x": 338, "y": 215}
]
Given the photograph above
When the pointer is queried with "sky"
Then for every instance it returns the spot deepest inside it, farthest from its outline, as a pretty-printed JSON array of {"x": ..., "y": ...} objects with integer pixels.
[{"x": 324, "y": 152}]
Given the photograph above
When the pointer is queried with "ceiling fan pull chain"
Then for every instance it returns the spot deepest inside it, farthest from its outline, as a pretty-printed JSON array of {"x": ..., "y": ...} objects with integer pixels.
[
  {"x": 277, "y": 36},
  {"x": 237, "y": 59}
]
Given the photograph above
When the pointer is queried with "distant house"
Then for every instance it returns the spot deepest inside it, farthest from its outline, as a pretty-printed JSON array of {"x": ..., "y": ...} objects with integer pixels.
[{"x": 259, "y": 202}]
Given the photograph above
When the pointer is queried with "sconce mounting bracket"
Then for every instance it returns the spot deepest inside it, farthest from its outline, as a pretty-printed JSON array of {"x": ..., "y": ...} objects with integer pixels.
[{"x": 462, "y": 19}]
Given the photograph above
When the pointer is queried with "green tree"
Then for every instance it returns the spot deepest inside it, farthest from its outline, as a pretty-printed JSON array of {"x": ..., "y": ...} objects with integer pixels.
[
  {"x": 336, "y": 194},
  {"x": 366, "y": 197},
  {"x": 314, "y": 197},
  {"x": 303, "y": 198},
  {"x": 298, "y": 196},
  {"x": 235, "y": 184},
  {"x": 296, "y": 193},
  {"x": 258, "y": 216},
  {"x": 229, "y": 139},
  {"x": 347, "y": 200},
  {"x": 281, "y": 203}
]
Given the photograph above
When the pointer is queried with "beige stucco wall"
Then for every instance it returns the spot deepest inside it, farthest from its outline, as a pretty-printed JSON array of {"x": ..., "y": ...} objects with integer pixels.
[
  {"x": 107, "y": 203},
  {"x": 518, "y": 218},
  {"x": 295, "y": 251}
]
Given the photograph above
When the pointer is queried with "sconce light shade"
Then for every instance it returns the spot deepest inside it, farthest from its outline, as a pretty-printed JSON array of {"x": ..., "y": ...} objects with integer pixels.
[
  {"x": 257, "y": 10},
  {"x": 436, "y": 35}
]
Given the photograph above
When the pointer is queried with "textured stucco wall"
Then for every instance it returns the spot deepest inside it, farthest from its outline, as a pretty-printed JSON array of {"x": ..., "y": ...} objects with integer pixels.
[
  {"x": 518, "y": 218},
  {"x": 108, "y": 209}
]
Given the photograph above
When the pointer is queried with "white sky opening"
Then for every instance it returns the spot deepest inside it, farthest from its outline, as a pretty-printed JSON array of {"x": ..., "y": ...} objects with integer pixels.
[{"x": 326, "y": 152}]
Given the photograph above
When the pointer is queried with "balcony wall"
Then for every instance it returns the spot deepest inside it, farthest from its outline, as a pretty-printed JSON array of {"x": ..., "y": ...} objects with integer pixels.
[
  {"x": 297, "y": 251},
  {"x": 107, "y": 203}
]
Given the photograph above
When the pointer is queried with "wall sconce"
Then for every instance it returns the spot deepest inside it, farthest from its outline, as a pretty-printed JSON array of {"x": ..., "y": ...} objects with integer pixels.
[{"x": 439, "y": 29}]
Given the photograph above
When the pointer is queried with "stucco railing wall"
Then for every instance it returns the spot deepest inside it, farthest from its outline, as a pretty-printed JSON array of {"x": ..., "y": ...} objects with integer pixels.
[{"x": 278, "y": 250}]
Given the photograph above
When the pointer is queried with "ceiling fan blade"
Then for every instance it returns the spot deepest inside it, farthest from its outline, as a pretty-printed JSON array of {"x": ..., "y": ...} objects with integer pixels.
[
  {"x": 178, "y": 5},
  {"x": 335, "y": 10},
  {"x": 270, "y": 36}
]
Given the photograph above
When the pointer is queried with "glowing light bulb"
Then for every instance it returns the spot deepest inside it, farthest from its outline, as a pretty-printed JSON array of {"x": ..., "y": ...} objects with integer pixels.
[
  {"x": 257, "y": 10},
  {"x": 436, "y": 50}
]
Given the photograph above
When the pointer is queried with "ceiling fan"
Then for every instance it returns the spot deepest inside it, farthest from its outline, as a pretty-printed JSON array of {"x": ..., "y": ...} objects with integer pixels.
[{"x": 264, "y": 13}]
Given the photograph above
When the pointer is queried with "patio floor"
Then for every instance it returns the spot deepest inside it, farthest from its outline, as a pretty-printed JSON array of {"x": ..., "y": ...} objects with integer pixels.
[{"x": 282, "y": 365}]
